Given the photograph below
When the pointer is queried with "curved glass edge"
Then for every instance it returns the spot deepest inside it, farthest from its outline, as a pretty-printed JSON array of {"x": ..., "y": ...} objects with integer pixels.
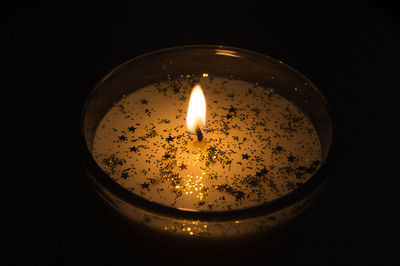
[{"x": 267, "y": 208}]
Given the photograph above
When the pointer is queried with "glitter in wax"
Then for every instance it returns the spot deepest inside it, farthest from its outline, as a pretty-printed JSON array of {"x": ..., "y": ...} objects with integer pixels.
[{"x": 258, "y": 145}]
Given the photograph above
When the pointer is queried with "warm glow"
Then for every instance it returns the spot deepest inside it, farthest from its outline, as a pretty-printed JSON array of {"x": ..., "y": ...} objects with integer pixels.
[
  {"x": 196, "y": 116},
  {"x": 226, "y": 53}
]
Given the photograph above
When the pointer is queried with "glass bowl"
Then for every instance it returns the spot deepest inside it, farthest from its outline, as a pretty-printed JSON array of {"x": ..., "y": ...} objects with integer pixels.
[{"x": 219, "y": 61}]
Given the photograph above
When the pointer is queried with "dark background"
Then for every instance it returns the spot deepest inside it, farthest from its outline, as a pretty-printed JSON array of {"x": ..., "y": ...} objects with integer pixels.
[{"x": 55, "y": 54}]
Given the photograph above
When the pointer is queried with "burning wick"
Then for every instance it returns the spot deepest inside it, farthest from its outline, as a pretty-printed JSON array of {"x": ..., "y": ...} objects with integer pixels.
[
  {"x": 199, "y": 134},
  {"x": 196, "y": 116}
]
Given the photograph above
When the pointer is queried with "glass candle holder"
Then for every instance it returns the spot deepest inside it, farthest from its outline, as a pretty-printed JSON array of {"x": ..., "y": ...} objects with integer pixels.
[{"x": 187, "y": 66}]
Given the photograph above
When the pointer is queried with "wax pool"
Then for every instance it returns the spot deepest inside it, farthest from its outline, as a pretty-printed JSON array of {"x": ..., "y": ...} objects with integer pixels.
[{"x": 257, "y": 145}]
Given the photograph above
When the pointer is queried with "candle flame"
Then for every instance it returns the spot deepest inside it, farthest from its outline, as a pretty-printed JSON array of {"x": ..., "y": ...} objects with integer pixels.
[{"x": 196, "y": 116}]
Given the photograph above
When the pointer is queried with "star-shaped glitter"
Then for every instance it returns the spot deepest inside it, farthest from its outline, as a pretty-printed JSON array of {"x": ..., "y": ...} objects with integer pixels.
[
  {"x": 145, "y": 186},
  {"x": 133, "y": 148},
  {"x": 144, "y": 101},
  {"x": 122, "y": 138},
  {"x": 262, "y": 172},
  {"x": 183, "y": 98},
  {"x": 239, "y": 195},
  {"x": 299, "y": 175},
  {"x": 278, "y": 148},
  {"x": 176, "y": 90},
  {"x": 167, "y": 155},
  {"x": 232, "y": 109},
  {"x": 290, "y": 185},
  {"x": 132, "y": 129},
  {"x": 245, "y": 156},
  {"x": 169, "y": 139},
  {"x": 291, "y": 158},
  {"x": 124, "y": 175},
  {"x": 182, "y": 166}
]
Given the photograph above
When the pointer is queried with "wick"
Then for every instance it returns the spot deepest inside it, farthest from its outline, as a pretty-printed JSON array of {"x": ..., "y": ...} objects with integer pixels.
[{"x": 199, "y": 134}]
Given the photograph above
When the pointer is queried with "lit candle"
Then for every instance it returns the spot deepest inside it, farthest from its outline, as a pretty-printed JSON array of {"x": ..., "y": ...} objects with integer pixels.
[
  {"x": 247, "y": 146},
  {"x": 242, "y": 145}
]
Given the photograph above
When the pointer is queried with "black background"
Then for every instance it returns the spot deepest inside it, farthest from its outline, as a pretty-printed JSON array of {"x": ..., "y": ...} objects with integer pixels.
[{"x": 55, "y": 54}]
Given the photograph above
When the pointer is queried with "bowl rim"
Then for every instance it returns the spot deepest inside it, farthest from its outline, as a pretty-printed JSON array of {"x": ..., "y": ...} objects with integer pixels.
[{"x": 266, "y": 208}]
